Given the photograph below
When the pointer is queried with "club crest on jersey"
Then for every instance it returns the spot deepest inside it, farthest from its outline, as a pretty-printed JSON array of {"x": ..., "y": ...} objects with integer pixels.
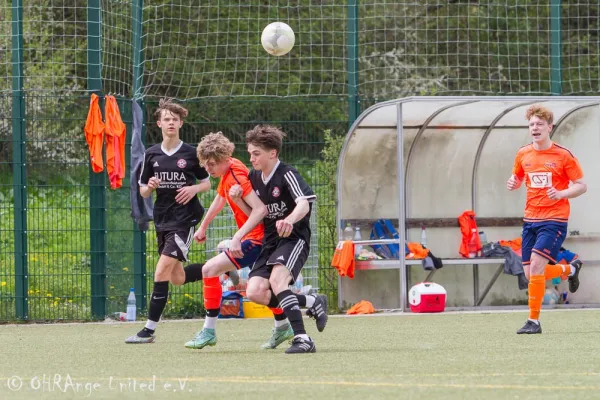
[
  {"x": 181, "y": 163},
  {"x": 276, "y": 192}
]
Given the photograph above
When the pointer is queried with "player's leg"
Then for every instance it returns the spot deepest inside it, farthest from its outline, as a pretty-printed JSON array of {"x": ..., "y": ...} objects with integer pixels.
[
  {"x": 549, "y": 238},
  {"x": 280, "y": 280},
  {"x": 259, "y": 291},
  {"x": 182, "y": 242},
  {"x": 158, "y": 299},
  {"x": 287, "y": 261},
  {"x": 527, "y": 243},
  {"x": 213, "y": 293},
  {"x": 293, "y": 254},
  {"x": 173, "y": 247},
  {"x": 565, "y": 271}
]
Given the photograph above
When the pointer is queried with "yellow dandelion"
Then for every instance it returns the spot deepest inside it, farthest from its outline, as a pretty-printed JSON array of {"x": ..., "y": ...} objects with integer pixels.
[
  {"x": 112, "y": 287},
  {"x": 48, "y": 294},
  {"x": 169, "y": 302},
  {"x": 3, "y": 283},
  {"x": 187, "y": 295},
  {"x": 70, "y": 301},
  {"x": 125, "y": 269}
]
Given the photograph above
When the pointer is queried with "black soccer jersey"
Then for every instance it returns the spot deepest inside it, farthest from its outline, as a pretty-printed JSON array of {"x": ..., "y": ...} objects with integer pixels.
[
  {"x": 279, "y": 192},
  {"x": 175, "y": 169}
]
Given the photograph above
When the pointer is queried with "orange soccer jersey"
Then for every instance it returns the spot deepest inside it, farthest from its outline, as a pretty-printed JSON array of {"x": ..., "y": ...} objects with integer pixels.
[
  {"x": 238, "y": 175},
  {"x": 543, "y": 169}
]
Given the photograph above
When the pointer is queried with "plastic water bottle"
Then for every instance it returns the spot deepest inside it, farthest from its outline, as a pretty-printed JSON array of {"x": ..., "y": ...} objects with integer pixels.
[
  {"x": 357, "y": 247},
  {"x": 244, "y": 272},
  {"x": 472, "y": 244},
  {"x": 423, "y": 237},
  {"x": 131, "y": 308},
  {"x": 298, "y": 285},
  {"x": 483, "y": 238},
  {"x": 348, "y": 233}
]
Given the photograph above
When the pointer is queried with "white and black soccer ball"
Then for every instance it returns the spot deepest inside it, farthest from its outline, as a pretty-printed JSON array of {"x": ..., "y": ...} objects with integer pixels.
[{"x": 278, "y": 38}]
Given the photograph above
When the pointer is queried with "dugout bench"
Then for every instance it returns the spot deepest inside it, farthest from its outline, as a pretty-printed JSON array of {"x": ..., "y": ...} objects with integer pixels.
[{"x": 479, "y": 295}]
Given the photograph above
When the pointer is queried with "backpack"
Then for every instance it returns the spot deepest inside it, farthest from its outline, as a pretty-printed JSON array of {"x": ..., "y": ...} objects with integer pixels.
[
  {"x": 384, "y": 229},
  {"x": 231, "y": 305}
]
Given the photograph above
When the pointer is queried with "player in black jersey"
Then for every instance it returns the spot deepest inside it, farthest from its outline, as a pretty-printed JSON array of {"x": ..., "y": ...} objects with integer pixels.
[
  {"x": 286, "y": 243},
  {"x": 171, "y": 168}
]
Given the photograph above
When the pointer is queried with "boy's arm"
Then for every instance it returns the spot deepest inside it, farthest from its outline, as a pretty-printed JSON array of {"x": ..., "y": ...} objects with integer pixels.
[
  {"x": 214, "y": 209},
  {"x": 187, "y": 193},
  {"x": 285, "y": 226},
  {"x": 257, "y": 212},
  {"x": 235, "y": 194},
  {"x": 516, "y": 179},
  {"x": 255, "y": 209},
  {"x": 578, "y": 188},
  {"x": 147, "y": 181}
]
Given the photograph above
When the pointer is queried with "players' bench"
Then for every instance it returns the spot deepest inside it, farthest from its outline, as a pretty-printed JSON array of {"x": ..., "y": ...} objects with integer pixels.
[{"x": 366, "y": 265}]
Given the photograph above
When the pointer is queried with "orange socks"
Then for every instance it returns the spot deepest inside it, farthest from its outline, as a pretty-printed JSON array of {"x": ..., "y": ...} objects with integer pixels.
[
  {"x": 537, "y": 287},
  {"x": 554, "y": 271},
  {"x": 276, "y": 311},
  {"x": 212, "y": 293}
]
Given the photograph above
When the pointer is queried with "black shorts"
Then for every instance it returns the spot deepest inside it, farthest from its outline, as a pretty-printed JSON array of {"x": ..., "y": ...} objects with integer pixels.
[
  {"x": 176, "y": 243},
  {"x": 291, "y": 253}
]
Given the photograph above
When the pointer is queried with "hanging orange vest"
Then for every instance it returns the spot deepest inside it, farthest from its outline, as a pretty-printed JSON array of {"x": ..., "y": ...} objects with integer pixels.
[
  {"x": 115, "y": 143},
  {"x": 94, "y": 132},
  {"x": 467, "y": 224},
  {"x": 343, "y": 258}
]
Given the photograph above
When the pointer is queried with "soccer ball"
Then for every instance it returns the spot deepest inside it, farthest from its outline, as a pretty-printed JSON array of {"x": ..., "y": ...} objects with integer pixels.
[
  {"x": 551, "y": 297},
  {"x": 277, "y": 38},
  {"x": 223, "y": 245}
]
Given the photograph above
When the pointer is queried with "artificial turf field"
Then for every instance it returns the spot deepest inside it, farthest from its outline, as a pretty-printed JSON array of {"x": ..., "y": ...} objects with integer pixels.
[{"x": 395, "y": 356}]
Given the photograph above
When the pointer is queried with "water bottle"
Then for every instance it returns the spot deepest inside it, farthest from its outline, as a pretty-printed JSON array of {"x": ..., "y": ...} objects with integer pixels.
[
  {"x": 131, "y": 308},
  {"x": 348, "y": 232},
  {"x": 472, "y": 243},
  {"x": 244, "y": 272},
  {"x": 357, "y": 247},
  {"x": 483, "y": 238},
  {"x": 299, "y": 284},
  {"x": 423, "y": 237}
]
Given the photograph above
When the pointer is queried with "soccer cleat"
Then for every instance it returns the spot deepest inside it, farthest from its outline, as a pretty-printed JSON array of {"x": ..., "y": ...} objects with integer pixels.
[
  {"x": 144, "y": 336},
  {"x": 279, "y": 336},
  {"x": 574, "y": 279},
  {"x": 300, "y": 345},
  {"x": 206, "y": 337},
  {"x": 319, "y": 311},
  {"x": 234, "y": 276},
  {"x": 530, "y": 327}
]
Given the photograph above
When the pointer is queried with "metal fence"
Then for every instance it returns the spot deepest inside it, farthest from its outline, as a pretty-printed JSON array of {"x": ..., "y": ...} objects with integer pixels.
[
  {"x": 68, "y": 247},
  {"x": 71, "y": 251}
]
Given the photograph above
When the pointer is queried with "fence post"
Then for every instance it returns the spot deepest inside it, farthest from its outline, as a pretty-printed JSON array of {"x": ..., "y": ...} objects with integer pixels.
[
  {"x": 353, "y": 96},
  {"x": 97, "y": 181},
  {"x": 19, "y": 167},
  {"x": 555, "y": 48},
  {"x": 139, "y": 237}
]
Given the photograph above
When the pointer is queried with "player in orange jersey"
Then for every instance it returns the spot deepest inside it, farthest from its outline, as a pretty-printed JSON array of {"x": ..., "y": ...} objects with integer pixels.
[
  {"x": 547, "y": 169},
  {"x": 214, "y": 152}
]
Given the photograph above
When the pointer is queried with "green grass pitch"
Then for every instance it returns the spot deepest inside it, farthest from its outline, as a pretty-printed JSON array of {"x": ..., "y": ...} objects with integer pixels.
[{"x": 441, "y": 356}]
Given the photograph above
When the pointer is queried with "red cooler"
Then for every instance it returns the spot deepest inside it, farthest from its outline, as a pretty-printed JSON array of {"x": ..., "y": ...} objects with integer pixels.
[{"x": 427, "y": 297}]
